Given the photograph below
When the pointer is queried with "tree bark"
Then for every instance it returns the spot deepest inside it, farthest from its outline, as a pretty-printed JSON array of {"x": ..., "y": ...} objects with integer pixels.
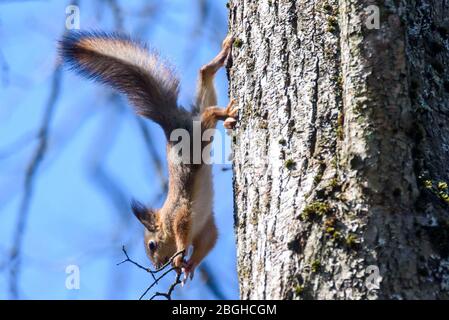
[{"x": 342, "y": 149}]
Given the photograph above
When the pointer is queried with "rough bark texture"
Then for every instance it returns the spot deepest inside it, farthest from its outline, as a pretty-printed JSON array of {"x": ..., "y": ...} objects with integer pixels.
[{"x": 342, "y": 149}]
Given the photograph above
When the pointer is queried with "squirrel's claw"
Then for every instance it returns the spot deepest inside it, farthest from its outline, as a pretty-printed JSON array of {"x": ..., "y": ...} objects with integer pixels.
[
  {"x": 188, "y": 269},
  {"x": 231, "y": 112},
  {"x": 227, "y": 42},
  {"x": 184, "y": 278}
]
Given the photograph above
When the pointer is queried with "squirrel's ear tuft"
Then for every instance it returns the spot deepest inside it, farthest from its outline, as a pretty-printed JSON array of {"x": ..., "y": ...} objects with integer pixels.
[
  {"x": 138, "y": 209},
  {"x": 145, "y": 215}
]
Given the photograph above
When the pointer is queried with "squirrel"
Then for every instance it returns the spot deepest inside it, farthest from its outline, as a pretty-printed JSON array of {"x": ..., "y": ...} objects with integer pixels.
[{"x": 186, "y": 218}]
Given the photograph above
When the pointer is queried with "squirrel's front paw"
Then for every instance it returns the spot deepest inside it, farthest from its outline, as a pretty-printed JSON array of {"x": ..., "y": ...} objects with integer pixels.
[
  {"x": 178, "y": 262},
  {"x": 231, "y": 113}
]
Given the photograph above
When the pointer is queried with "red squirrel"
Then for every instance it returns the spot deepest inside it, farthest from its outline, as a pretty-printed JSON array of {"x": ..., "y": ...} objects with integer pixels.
[{"x": 126, "y": 65}]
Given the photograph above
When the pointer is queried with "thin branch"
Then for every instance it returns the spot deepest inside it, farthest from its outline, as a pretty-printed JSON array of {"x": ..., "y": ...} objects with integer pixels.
[
  {"x": 148, "y": 269},
  {"x": 128, "y": 259},
  {"x": 153, "y": 272},
  {"x": 31, "y": 171},
  {"x": 153, "y": 153},
  {"x": 170, "y": 290},
  {"x": 156, "y": 281}
]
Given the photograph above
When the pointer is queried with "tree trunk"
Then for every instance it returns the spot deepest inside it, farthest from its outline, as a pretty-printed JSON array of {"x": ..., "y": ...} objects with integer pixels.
[{"x": 342, "y": 149}]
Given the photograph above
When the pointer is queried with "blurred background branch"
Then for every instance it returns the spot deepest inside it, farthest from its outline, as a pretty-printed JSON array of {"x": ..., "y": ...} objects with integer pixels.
[
  {"x": 4, "y": 66},
  {"x": 30, "y": 175}
]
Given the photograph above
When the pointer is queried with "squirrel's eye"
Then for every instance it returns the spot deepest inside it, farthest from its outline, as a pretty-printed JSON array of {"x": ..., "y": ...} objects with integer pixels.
[{"x": 152, "y": 245}]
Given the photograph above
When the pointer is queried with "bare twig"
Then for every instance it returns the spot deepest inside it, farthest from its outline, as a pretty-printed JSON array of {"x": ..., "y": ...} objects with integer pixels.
[
  {"x": 128, "y": 259},
  {"x": 153, "y": 272},
  {"x": 156, "y": 281},
  {"x": 148, "y": 269},
  {"x": 170, "y": 290}
]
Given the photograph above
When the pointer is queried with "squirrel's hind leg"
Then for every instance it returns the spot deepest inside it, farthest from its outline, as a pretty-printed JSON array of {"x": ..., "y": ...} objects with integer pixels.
[{"x": 206, "y": 95}]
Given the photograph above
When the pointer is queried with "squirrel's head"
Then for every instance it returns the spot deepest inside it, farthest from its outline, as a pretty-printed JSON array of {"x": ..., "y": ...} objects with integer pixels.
[{"x": 158, "y": 245}]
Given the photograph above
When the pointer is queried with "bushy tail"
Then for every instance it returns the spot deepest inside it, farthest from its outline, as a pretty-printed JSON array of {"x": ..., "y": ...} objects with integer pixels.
[{"x": 129, "y": 67}]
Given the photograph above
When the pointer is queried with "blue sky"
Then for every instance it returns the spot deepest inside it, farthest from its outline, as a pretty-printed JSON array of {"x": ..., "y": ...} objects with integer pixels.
[{"x": 71, "y": 220}]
